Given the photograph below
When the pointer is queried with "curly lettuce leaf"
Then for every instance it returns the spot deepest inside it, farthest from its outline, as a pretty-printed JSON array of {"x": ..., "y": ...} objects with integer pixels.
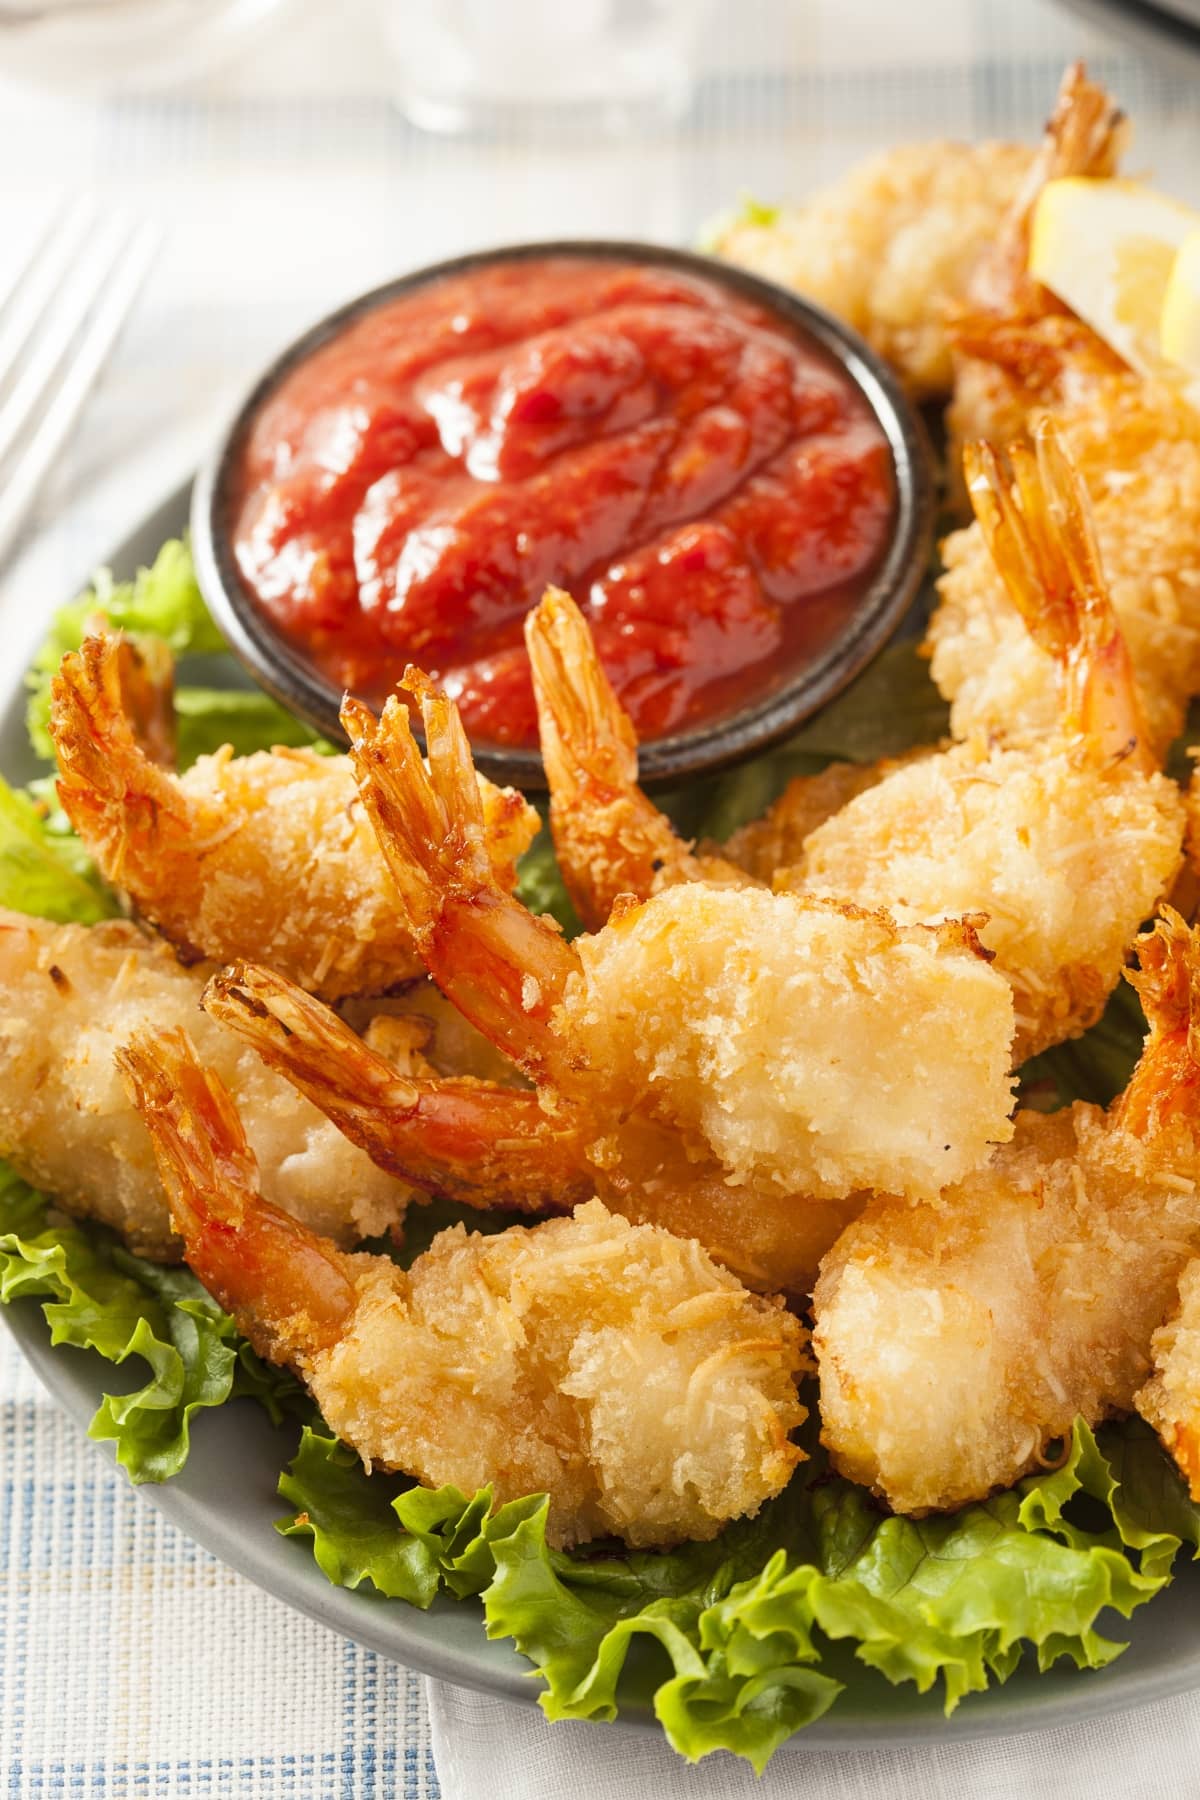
[
  {"x": 163, "y": 600},
  {"x": 44, "y": 869},
  {"x": 96, "y": 1296},
  {"x": 206, "y": 719},
  {"x": 742, "y": 1624},
  {"x": 749, "y": 211},
  {"x": 351, "y": 1524}
]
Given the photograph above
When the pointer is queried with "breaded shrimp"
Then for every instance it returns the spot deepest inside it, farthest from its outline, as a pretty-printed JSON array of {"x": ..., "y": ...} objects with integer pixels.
[
  {"x": 1021, "y": 832},
  {"x": 71, "y": 994},
  {"x": 1170, "y": 1400},
  {"x": 1137, "y": 447},
  {"x": 763, "y": 1027},
  {"x": 887, "y": 246},
  {"x": 1084, "y": 137},
  {"x": 909, "y": 238},
  {"x": 507, "y": 1150},
  {"x": 710, "y": 1055},
  {"x": 957, "y": 1341},
  {"x": 613, "y": 1367},
  {"x": 266, "y": 855},
  {"x": 1015, "y": 832},
  {"x": 1021, "y": 357},
  {"x": 732, "y": 1063}
]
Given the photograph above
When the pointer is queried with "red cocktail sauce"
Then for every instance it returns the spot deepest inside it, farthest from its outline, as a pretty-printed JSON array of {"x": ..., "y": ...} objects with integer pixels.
[{"x": 712, "y": 489}]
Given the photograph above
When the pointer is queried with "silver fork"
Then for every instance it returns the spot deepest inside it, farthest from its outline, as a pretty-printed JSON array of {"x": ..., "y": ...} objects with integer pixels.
[{"x": 59, "y": 319}]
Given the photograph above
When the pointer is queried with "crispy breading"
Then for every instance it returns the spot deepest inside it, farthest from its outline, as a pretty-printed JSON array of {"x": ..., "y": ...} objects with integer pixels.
[
  {"x": 612, "y": 1366},
  {"x": 268, "y": 855},
  {"x": 71, "y": 995},
  {"x": 1170, "y": 1400},
  {"x": 957, "y": 1341},
  {"x": 1019, "y": 835},
  {"x": 814, "y": 1047},
  {"x": 890, "y": 244},
  {"x": 1138, "y": 451}
]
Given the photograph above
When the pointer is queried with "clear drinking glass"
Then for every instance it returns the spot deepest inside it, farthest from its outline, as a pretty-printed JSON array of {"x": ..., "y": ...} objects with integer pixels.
[{"x": 526, "y": 67}]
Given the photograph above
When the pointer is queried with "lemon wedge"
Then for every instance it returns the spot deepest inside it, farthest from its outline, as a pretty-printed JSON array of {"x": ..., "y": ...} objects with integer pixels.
[
  {"x": 1109, "y": 250},
  {"x": 1180, "y": 339}
]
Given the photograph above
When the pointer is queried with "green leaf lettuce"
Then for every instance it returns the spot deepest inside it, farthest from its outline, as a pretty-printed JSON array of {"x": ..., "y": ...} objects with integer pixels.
[
  {"x": 742, "y": 1625},
  {"x": 96, "y": 1296},
  {"x": 44, "y": 869}
]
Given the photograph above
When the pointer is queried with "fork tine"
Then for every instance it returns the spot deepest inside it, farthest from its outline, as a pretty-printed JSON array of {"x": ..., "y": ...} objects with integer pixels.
[
  {"x": 33, "y": 250},
  {"x": 51, "y": 344},
  {"x": 56, "y": 421},
  {"x": 44, "y": 274}
]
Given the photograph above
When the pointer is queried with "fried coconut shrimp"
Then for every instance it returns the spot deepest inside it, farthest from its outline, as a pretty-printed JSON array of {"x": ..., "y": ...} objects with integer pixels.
[
  {"x": 1084, "y": 137},
  {"x": 266, "y": 855},
  {"x": 1023, "y": 358},
  {"x": 493, "y": 1146},
  {"x": 887, "y": 246},
  {"x": 755, "y": 1024},
  {"x": 1170, "y": 1400},
  {"x": 611, "y": 1366},
  {"x": 957, "y": 1341},
  {"x": 1137, "y": 447},
  {"x": 1014, "y": 832},
  {"x": 1020, "y": 831},
  {"x": 721, "y": 1061},
  {"x": 71, "y": 995}
]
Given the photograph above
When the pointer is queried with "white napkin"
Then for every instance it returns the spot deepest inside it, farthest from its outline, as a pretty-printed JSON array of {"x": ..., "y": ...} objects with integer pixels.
[{"x": 509, "y": 1752}]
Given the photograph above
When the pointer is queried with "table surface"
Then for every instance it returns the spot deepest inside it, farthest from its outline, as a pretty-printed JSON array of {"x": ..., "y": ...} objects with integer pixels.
[{"x": 131, "y": 1662}]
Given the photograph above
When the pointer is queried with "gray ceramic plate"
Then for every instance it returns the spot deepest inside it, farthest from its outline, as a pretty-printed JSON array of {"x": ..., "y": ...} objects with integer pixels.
[{"x": 226, "y": 1500}]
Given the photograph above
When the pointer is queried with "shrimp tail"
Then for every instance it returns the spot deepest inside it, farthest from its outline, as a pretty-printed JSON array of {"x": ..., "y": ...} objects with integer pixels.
[
  {"x": 1039, "y": 531},
  {"x": 1165, "y": 1086},
  {"x": 146, "y": 681},
  {"x": 503, "y": 968},
  {"x": 1085, "y": 135},
  {"x": 112, "y": 721},
  {"x": 290, "y": 1291},
  {"x": 484, "y": 1145},
  {"x": 609, "y": 837}
]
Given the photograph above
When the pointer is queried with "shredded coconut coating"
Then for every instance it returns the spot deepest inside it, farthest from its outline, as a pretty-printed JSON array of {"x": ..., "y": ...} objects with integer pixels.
[
  {"x": 1021, "y": 835},
  {"x": 956, "y": 1341},
  {"x": 805, "y": 1044},
  {"x": 776, "y": 840},
  {"x": 1170, "y": 1400},
  {"x": 71, "y": 994},
  {"x": 268, "y": 857},
  {"x": 1138, "y": 450},
  {"x": 890, "y": 244},
  {"x": 615, "y": 1367}
]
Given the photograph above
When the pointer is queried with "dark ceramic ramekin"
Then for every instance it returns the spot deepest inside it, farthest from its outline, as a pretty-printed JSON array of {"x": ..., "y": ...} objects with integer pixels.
[{"x": 281, "y": 668}]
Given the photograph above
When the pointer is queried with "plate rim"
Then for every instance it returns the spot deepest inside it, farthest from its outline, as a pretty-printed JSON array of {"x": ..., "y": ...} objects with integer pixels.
[{"x": 1028, "y": 1702}]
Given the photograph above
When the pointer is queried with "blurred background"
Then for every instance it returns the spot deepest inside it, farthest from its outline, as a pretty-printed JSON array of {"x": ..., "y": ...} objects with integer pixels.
[{"x": 273, "y": 143}]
